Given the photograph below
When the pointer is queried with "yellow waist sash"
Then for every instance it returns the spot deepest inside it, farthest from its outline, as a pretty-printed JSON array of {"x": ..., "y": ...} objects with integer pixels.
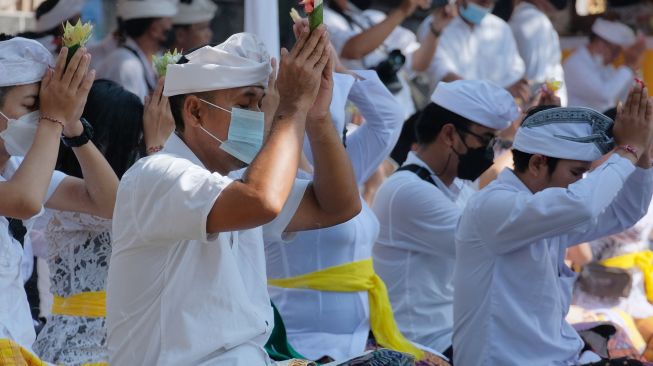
[
  {"x": 641, "y": 260},
  {"x": 84, "y": 304},
  {"x": 354, "y": 277}
]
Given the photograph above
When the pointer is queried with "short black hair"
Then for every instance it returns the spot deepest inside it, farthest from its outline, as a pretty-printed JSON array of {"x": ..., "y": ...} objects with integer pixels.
[
  {"x": 133, "y": 28},
  {"x": 117, "y": 132},
  {"x": 45, "y": 7},
  {"x": 521, "y": 159},
  {"x": 431, "y": 120},
  {"x": 177, "y": 101}
]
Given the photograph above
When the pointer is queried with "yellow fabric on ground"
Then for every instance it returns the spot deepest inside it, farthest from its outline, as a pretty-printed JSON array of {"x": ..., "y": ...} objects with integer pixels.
[
  {"x": 13, "y": 354},
  {"x": 640, "y": 260},
  {"x": 355, "y": 277}
]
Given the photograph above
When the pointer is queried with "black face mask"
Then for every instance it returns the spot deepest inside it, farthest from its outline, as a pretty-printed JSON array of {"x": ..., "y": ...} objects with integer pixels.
[{"x": 475, "y": 162}]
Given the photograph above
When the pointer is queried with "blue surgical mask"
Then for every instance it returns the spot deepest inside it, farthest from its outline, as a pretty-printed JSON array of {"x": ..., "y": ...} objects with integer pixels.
[
  {"x": 245, "y": 136},
  {"x": 474, "y": 13}
]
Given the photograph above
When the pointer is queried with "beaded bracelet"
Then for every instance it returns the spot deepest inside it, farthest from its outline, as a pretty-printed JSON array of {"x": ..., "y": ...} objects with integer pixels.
[
  {"x": 154, "y": 149},
  {"x": 51, "y": 119}
]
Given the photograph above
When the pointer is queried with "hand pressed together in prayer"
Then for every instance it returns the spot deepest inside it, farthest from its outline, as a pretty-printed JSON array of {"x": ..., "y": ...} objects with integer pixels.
[
  {"x": 158, "y": 122},
  {"x": 64, "y": 90},
  {"x": 634, "y": 123},
  {"x": 270, "y": 101},
  {"x": 300, "y": 71},
  {"x": 442, "y": 16}
]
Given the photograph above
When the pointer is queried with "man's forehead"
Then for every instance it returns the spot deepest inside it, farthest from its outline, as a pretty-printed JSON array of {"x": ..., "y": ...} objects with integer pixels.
[{"x": 247, "y": 91}]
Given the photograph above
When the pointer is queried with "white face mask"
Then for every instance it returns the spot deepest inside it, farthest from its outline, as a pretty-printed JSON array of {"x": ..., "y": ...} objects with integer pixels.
[
  {"x": 19, "y": 134},
  {"x": 245, "y": 136}
]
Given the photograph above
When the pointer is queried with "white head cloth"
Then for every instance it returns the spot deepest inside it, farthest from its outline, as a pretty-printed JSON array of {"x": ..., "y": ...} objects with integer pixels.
[
  {"x": 614, "y": 32},
  {"x": 242, "y": 60},
  {"x": 573, "y": 133},
  {"x": 64, "y": 10},
  {"x": 23, "y": 61},
  {"x": 479, "y": 101},
  {"x": 198, "y": 11},
  {"x": 136, "y": 9}
]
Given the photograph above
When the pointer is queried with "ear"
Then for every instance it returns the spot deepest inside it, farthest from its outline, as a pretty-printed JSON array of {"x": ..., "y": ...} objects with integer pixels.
[
  {"x": 537, "y": 165},
  {"x": 192, "y": 111},
  {"x": 447, "y": 134}
]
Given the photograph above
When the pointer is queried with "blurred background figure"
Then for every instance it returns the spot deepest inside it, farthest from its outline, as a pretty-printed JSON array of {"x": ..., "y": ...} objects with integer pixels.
[
  {"x": 143, "y": 31},
  {"x": 592, "y": 80},
  {"x": 192, "y": 25}
]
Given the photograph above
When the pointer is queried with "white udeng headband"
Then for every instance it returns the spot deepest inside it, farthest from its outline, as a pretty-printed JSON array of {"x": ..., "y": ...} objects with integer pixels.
[{"x": 64, "y": 10}]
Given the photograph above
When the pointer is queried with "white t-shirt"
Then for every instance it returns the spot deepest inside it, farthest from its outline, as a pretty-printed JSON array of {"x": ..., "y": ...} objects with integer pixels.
[
  {"x": 513, "y": 288},
  {"x": 415, "y": 251},
  {"x": 539, "y": 46},
  {"x": 176, "y": 295},
  {"x": 483, "y": 52},
  {"x": 15, "y": 316}
]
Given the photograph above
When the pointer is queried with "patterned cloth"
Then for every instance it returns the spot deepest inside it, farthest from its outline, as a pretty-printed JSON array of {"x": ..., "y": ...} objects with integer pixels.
[
  {"x": 79, "y": 248},
  {"x": 12, "y": 354},
  {"x": 429, "y": 358}
]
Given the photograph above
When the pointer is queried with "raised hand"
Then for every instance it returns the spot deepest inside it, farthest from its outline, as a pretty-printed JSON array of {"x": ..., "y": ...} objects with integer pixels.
[
  {"x": 270, "y": 101},
  {"x": 633, "y": 125},
  {"x": 408, "y": 7},
  {"x": 64, "y": 91},
  {"x": 158, "y": 123},
  {"x": 300, "y": 70}
]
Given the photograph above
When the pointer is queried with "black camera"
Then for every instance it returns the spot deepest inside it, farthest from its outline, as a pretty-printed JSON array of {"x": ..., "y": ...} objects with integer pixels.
[{"x": 388, "y": 69}]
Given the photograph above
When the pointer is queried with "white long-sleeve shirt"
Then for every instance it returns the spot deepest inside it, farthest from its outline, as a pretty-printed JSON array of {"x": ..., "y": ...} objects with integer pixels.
[
  {"x": 487, "y": 51},
  {"x": 414, "y": 253},
  {"x": 592, "y": 84},
  {"x": 336, "y": 324},
  {"x": 539, "y": 46},
  {"x": 513, "y": 289}
]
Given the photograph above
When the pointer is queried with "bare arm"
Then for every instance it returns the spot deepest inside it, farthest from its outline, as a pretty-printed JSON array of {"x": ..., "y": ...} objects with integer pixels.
[
  {"x": 370, "y": 39},
  {"x": 267, "y": 182},
  {"x": 423, "y": 56}
]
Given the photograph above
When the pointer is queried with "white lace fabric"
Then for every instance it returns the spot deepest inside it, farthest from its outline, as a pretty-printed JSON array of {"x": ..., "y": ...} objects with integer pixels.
[{"x": 78, "y": 253}]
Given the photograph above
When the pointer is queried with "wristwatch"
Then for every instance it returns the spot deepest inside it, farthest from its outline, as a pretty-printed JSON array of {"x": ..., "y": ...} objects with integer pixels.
[{"x": 82, "y": 139}]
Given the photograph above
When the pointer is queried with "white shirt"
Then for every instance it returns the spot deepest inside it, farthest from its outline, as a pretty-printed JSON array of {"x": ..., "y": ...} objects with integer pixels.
[
  {"x": 177, "y": 295},
  {"x": 513, "y": 288},
  {"x": 340, "y": 31},
  {"x": 483, "y": 52},
  {"x": 592, "y": 84},
  {"x": 336, "y": 324},
  {"x": 539, "y": 46},
  {"x": 134, "y": 73},
  {"x": 414, "y": 253},
  {"x": 15, "y": 316}
]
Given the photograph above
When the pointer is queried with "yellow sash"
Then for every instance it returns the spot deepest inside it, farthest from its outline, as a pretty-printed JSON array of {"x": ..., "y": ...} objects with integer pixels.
[
  {"x": 13, "y": 354},
  {"x": 354, "y": 277},
  {"x": 640, "y": 260},
  {"x": 84, "y": 304}
]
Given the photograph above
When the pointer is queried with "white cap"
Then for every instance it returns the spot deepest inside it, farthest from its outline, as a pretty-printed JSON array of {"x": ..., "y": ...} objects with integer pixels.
[
  {"x": 566, "y": 133},
  {"x": 614, "y": 32},
  {"x": 198, "y": 11},
  {"x": 64, "y": 10},
  {"x": 242, "y": 60},
  {"x": 479, "y": 101},
  {"x": 23, "y": 61},
  {"x": 137, "y": 9}
]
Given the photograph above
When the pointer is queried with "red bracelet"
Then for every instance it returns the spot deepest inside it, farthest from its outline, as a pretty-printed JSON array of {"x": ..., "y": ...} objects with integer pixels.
[
  {"x": 629, "y": 149},
  {"x": 154, "y": 149},
  {"x": 51, "y": 119}
]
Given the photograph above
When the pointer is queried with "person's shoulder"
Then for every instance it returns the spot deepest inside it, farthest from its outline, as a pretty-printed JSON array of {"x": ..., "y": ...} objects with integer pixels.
[{"x": 161, "y": 167}]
